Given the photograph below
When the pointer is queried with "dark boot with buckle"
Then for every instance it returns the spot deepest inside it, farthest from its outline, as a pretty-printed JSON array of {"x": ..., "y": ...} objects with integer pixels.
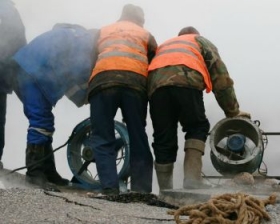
[
  {"x": 50, "y": 168},
  {"x": 35, "y": 165}
]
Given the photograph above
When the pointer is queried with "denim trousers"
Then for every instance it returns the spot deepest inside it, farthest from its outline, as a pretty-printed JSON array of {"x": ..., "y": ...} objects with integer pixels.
[{"x": 104, "y": 106}]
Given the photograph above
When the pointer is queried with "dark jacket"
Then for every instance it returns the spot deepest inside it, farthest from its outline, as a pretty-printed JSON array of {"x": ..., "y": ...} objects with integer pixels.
[{"x": 12, "y": 38}]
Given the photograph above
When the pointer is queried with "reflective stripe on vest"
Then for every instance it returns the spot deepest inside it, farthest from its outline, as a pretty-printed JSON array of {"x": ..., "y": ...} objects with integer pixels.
[
  {"x": 122, "y": 46},
  {"x": 182, "y": 50}
]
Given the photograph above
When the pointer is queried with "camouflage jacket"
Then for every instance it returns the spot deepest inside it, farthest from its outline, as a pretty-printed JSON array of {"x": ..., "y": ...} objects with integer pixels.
[{"x": 183, "y": 76}]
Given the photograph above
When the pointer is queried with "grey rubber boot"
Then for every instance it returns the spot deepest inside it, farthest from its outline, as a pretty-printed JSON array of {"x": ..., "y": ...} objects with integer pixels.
[
  {"x": 194, "y": 149},
  {"x": 164, "y": 175}
]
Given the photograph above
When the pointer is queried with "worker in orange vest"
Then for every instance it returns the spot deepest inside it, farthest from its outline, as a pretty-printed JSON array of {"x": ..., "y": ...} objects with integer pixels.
[
  {"x": 119, "y": 80},
  {"x": 182, "y": 68}
]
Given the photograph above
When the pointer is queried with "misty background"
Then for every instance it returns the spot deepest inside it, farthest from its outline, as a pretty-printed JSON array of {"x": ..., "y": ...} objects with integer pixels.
[{"x": 246, "y": 33}]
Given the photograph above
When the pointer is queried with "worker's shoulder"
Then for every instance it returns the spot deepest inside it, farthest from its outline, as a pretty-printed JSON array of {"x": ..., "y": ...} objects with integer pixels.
[{"x": 205, "y": 43}]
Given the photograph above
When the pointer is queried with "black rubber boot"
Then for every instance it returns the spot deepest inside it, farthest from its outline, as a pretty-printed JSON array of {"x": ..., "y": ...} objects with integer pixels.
[
  {"x": 50, "y": 168},
  {"x": 35, "y": 165}
]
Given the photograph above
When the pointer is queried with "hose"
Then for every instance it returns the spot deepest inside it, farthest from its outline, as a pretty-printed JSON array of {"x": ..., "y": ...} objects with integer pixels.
[{"x": 46, "y": 157}]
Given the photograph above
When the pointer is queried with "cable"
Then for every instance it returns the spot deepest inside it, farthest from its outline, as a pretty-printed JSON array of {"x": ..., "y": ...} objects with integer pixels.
[{"x": 46, "y": 157}]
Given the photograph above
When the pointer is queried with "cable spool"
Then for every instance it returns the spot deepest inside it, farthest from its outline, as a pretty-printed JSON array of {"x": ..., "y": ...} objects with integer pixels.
[
  {"x": 81, "y": 158},
  {"x": 236, "y": 146}
]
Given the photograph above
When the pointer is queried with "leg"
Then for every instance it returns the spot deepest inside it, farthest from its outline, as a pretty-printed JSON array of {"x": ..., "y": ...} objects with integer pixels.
[
  {"x": 192, "y": 117},
  {"x": 103, "y": 106},
  {"x": 134, "y": 110},
  {"x": 196, "y": 126},
  {"x": 164, "y": 114},
  {"x": 194, "y": 149},
  {"x": 3, "y": 106},
  {"x": 38, "y": 110}
]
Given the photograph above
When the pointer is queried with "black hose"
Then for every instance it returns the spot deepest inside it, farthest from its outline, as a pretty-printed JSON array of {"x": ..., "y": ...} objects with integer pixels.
[{"x": 46, "y": 157}]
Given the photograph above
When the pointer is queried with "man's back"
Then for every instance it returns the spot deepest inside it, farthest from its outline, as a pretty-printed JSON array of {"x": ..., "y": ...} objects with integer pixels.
[
  {"x": 125, "y": 49},
  {"x": 122, "y": 46},
  {"x": 58, "y": 59}
]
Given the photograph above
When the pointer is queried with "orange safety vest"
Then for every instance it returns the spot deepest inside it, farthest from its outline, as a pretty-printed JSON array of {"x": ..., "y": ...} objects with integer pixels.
[
  {"x": 182, "y": 50},
  {"x": 122, "y": 46}
]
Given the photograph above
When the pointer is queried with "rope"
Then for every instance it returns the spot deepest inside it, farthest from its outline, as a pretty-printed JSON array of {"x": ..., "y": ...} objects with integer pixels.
[{"x": 236, "y": 208}]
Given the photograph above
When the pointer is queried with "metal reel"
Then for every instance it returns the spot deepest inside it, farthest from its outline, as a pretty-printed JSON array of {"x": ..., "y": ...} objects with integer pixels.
[{"x": 81, "y": 158}]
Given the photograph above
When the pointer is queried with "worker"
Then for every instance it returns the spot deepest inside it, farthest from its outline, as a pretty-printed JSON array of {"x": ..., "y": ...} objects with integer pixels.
[
  {"x": 12, "y": 38},
  {"x": 119, "y": 80},
  {"x": 182, "y": 68},
  {"x": 56, "y": 63}
]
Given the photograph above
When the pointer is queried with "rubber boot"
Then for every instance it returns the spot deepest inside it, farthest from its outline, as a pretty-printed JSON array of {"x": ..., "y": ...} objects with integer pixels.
[
  {"x": 50, "y": 168},
  {"x": 164, "y": 175},
  {"x": 35, "y": 165},
  {"x": 194, "y": 149}
]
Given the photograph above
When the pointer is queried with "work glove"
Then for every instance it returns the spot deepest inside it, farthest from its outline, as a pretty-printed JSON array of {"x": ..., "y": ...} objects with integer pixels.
[{"x": 243, "y": 114}]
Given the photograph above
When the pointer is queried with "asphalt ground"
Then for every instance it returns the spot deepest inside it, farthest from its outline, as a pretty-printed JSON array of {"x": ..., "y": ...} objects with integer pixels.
[{"x": 23, "y": 203}]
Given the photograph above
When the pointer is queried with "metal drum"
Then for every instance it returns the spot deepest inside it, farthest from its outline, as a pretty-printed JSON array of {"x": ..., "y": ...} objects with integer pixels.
[{"x": 236, "y": 146}]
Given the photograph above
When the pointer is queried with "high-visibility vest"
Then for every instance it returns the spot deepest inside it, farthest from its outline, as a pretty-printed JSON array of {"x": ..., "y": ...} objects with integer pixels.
[
  {"x": 122, "y": 46},
  {"x": 182, "y": 50}
]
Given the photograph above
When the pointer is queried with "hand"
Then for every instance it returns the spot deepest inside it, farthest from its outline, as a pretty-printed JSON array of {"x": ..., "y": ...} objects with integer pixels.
[{"x": 243, "y": 114}]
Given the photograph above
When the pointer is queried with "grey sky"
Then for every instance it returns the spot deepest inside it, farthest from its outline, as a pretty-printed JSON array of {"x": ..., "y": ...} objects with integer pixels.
[{"x": 246, "y": 33}]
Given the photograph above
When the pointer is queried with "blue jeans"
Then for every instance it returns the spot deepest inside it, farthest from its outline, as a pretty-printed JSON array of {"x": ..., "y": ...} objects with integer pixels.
[
  {"x": 104, "y": 106},
  {"x": 37, "y": 109},
  {"x": 3, "y": 107}
]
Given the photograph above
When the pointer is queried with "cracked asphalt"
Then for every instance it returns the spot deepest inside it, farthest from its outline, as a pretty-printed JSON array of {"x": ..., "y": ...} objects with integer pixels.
[
  {"x": 37, "y": 206},
  {"x": 21, "y": 203}
]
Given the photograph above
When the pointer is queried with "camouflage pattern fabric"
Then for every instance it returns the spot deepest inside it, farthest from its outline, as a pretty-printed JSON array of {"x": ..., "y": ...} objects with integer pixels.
[{"x": 183, "y": 76}]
